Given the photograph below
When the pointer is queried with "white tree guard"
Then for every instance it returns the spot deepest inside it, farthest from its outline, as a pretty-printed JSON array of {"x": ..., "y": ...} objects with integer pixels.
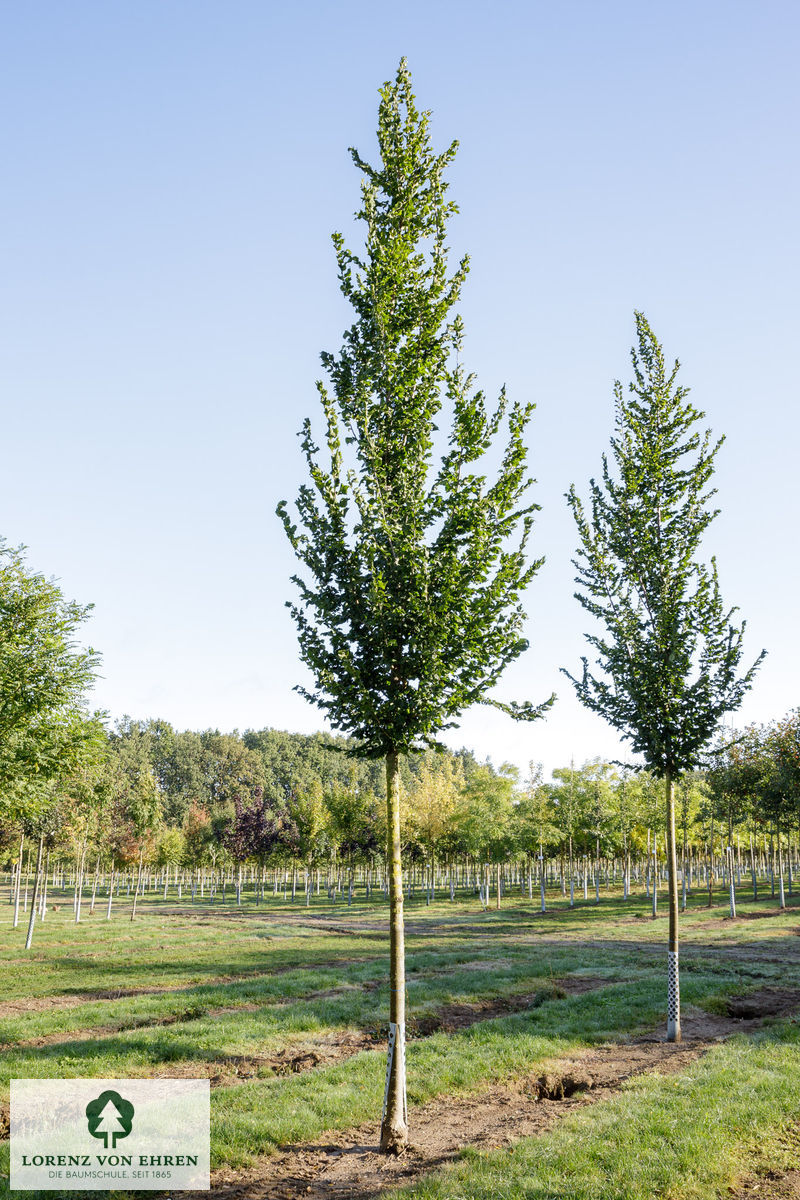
[
  {"x": 673, "y": 995},
  {"x": 397, "y": 1044}
]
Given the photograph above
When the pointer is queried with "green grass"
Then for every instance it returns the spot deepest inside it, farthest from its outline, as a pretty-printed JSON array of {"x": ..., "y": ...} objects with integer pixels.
[
  {"x": 265, "y": 965},
  {"x": 685, "y": 1137}
]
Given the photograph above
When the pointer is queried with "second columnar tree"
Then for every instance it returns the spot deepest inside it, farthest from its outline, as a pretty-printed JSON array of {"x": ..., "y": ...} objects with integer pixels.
[
  {"x": 668, "y": 653},
  {"x": 409, "y": 607}
]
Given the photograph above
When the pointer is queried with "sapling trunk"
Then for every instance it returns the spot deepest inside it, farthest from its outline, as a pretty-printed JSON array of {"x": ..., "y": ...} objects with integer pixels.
[
  {"x": 79, "y": 883},
  {"x": 37, "y": 877},
  {"x": 94, "y": 885},
  {"x": 655, "y": 880},
  {"x": 43, "y": 906},
  {"x": 18, "y": 881},
  {"x": 138, "y": 881},
  {"x": 781, "y": 895},
  {"x": 394, "y": 1123},
  {"x": 673, "y": 970}
]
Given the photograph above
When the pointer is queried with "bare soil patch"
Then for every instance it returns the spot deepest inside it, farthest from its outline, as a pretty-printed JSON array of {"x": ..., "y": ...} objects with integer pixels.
[
  {"x": 765, "y": 1002},
  {"x": 29, "y": 1004},
  {"x": 773, "y": 1185},
  {"x": 767, "y": 1183}
]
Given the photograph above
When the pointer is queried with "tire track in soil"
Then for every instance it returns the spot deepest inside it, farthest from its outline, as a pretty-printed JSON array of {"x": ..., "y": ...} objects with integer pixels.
[{"x": 347, "y": 1164}]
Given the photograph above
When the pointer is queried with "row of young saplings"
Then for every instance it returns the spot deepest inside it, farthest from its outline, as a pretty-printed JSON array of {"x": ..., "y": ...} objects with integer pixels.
[{"x": 34, "y": 886}]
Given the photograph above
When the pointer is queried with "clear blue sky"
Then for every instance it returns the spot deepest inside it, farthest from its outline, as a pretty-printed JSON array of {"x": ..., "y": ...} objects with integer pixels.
[{"x": 172, "y": 174}]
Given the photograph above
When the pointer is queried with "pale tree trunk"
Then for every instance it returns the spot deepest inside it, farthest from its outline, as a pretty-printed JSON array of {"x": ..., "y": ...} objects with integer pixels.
[
  {"x": 32, "y": 920},
  {"x": 79, "y": 883},
  {"x": 394, "y": 1124},
  {"x": 781, "y": 894},
  {"x": 138, "y": 881},
  {"x": 94, "y": 885},
  {"x": 18, "y": 881},
  {"x": 684, "y": 867},
  {"x": 673, "y": 971},
  {"x": 43, "y": 905},
  {"x": 655, "y": 878},
  {"x": 110, "y": 894}
]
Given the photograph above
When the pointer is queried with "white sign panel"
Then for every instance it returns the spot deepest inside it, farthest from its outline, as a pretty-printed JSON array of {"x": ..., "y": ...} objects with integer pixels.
[{"x": 110, "y": 1134}]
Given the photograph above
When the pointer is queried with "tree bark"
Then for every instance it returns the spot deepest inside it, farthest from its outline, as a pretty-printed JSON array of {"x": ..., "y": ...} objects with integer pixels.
[
  {"x": 394, "y": 1123},
  {"x": 138, "y": 881},
  {"x": 673, "y": 972},
  {"x": 18, "y": 880},
  {"x": 79, "y": 882},
  {"x": 36, "y": 885}
]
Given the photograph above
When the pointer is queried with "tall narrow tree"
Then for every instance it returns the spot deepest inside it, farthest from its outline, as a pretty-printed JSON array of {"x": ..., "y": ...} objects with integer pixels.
[
  {"x": 669, "y": 655},
  {"x": 409, "y": 610}
]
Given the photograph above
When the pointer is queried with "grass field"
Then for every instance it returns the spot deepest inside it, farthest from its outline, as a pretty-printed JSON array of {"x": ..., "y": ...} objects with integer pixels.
[{"x": 285, "y": 1009}]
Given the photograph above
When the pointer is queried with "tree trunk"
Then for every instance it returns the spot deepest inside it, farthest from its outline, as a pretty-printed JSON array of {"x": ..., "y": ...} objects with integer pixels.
[
  {"x": 29, "y": 938},
  {"x": 394, "y": 1123},
  {"x": 43, "y": 905},
  {"x": 18, "y": 881},
  {"x": 79, "y": 883},
  {"x": 94, "y": 885},
  {"x": 781, "y": 895},
  {"x": 673, "y": 973},
  {"x": 138, "y": 881}
]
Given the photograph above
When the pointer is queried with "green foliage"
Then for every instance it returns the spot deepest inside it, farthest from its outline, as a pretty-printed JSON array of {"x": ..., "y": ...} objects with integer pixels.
[
  {"x": 669, "y": 657},
  {"x": 536, "y": 816},
  {"x": 44, "y": 676},
  {"x": 486, "y": 814},
  {"x": 135, "y": 785},
  {"x": 410, "y": 610}
]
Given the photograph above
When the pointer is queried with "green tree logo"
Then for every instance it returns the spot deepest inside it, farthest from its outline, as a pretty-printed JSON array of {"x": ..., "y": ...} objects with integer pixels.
[{"x": 109, "y": 1116}]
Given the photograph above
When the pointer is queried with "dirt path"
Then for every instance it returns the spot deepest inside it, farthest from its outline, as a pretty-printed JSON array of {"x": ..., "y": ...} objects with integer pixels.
[{"x": 347, "y": 1163}]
